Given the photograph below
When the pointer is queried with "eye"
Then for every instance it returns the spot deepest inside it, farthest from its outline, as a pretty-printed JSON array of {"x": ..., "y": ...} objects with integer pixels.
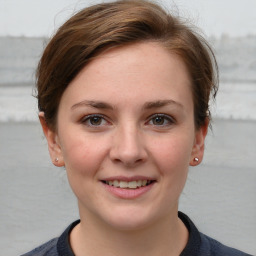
[
  {"x": 94, "y": 120},
  {"x": 161, "y": 120}
]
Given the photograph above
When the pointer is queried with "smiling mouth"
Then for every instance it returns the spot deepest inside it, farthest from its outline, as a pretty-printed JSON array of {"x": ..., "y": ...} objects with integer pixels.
[{"x": 128, "y": 184}]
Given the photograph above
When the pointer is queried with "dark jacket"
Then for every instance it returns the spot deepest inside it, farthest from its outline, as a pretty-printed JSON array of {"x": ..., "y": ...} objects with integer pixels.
[{"x": 198, "y": 244}]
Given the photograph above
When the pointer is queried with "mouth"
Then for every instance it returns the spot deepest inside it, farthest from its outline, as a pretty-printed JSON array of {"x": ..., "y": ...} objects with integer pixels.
[{"x": 134, "y": 184}]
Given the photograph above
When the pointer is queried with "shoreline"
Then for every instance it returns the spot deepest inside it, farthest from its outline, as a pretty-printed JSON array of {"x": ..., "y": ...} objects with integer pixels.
[{"x": 219, "y": 195}]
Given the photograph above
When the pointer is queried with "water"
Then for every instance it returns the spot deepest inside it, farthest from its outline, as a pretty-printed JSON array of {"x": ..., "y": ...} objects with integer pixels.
[
  {"x": 37, "y": 203},
  {"x": 236, "y": 58},
  {"x": 18, "y": 59},
  {"x": 234, "y": 101},
  {"x": 35, "y": 198}
]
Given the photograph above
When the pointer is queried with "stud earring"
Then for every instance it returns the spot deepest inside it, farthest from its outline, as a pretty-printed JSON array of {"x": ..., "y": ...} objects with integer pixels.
[
  {"x": 56, "y": 159},
  {"x": 196, "y": 159}
]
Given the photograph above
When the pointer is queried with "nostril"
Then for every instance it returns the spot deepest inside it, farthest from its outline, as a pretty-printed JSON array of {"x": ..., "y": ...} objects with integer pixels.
[
  {"x": 128, "y": 158},
  {"x": 131, "y": 162},
  {"x": 127, "y": 147}
]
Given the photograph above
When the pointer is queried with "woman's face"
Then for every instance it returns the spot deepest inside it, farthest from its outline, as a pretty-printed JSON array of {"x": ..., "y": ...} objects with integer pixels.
[{"x": 126, "y": 135}]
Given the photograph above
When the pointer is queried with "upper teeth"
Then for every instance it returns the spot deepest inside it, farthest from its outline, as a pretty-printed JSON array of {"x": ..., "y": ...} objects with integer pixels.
[{"x": 127, "y": 184}]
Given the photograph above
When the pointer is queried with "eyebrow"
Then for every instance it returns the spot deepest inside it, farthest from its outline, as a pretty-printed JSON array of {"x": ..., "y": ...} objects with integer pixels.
[
  {"x": 94, "y": 104},
  {"x": 147, "y": 105},
  {"x": 161, "y": 103}
]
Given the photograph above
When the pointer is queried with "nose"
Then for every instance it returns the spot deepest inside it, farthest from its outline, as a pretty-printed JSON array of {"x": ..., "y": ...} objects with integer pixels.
[{"x": 128, "y": 147}]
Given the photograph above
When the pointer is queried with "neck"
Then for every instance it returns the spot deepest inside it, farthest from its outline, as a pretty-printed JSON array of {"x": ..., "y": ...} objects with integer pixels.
[{"x": 169, "y": 237}]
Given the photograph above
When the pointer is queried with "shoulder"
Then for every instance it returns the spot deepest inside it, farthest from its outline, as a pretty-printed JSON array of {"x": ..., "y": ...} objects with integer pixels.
[
  {"x": 202, "y": 245},
  {"x": 46, "y": 249},
  {"x": 56, "y": 246},
  {"x": 210, "y": 246}
]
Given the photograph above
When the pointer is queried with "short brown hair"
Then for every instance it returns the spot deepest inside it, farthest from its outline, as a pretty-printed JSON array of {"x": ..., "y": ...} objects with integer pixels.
[{"x": 101, "y": 26}]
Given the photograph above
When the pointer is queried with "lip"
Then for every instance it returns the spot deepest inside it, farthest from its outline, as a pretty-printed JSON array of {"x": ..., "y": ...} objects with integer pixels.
[
  {"x": 125, "y": 178},
  {"x": 126, "y": 193}
]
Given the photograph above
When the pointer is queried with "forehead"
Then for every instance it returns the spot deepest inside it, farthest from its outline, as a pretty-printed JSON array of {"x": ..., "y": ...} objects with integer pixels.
[
  {"x": 132, "y": 72},
  {"x": 147, "y": 55}
]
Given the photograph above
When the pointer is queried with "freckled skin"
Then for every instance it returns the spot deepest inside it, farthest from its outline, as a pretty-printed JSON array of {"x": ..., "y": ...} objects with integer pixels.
[{"x": 127, "y": 141}]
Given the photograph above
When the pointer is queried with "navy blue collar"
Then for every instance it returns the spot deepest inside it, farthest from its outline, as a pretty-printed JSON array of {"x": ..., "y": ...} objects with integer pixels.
[{"x": 191, "y": 249}]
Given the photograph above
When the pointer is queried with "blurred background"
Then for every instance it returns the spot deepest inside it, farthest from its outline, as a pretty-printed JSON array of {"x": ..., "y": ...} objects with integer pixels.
[{"x": 220, "y": 195}]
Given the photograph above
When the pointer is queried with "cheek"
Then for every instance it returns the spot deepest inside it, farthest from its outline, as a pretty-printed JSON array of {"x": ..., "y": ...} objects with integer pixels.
[
  {"x": 82, "y": 156},
  {"x": 83, "y": 159},
  {"x": 171, "y": 157},
  {"x": 172, "y": 154}
]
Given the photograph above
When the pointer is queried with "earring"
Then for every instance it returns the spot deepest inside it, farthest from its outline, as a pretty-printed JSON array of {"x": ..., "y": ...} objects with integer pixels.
[
  {"x": 196, "y": 159},
  {"x": 56, "y": 159}
]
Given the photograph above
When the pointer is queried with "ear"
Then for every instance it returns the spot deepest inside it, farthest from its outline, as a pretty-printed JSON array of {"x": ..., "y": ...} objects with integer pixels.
[
  {"x": 198, "y": 147},
  {"x": 53, "y": 142}
]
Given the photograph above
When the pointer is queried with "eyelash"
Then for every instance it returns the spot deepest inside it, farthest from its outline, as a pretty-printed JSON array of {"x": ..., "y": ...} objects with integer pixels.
[
  {"x": 166, "y": 118},
  {"x": 101, "y": 118},
  {"x": 89, "y": 118}
]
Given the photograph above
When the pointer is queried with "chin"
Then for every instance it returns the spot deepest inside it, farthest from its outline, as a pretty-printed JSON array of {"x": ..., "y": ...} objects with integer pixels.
[{"x": 130, "y": 219}]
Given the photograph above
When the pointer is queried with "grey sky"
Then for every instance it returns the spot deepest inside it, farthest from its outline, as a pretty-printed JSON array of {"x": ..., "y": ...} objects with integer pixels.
[{"x": 42, "y": 17}]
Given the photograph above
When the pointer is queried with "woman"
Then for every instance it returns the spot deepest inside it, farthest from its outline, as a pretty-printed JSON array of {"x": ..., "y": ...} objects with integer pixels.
[{"x": 123, "y": 92}]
